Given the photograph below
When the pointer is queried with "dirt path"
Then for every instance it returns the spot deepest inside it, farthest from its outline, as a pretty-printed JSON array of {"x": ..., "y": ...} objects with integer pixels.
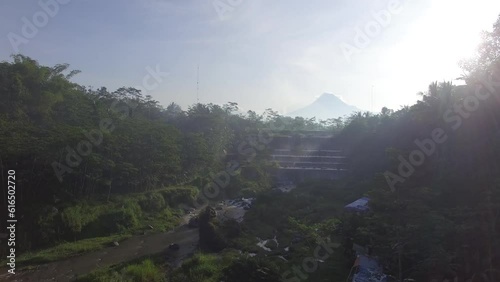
[{"x": 135, "y": 247}]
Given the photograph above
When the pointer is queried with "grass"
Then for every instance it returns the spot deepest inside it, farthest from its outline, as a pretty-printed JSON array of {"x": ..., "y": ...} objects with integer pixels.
[
  {"x": 89, "y": 214},
  {"x": 143, "y": 270},
  {"x": 162, "y": 221},
  {"x": 201, "y": 267},
  {"x": 69, "y": 249},
  {"x": 147, "y": 271}
]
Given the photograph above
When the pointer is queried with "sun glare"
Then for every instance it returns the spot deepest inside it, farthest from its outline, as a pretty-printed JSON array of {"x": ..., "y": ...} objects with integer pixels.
[{"x": 447, "y": 32}]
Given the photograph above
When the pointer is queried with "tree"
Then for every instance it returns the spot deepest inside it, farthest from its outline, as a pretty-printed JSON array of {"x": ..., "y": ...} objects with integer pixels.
[{"x": 487, "y": 57}]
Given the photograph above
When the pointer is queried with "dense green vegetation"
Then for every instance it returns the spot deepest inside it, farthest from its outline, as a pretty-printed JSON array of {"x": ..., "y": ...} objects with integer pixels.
[
  {"x": 77, "y": 148},
  {"x": 74, "y": 144},
  {"x": 436, "y": 218},
  {"x": 90, "y": 225}
]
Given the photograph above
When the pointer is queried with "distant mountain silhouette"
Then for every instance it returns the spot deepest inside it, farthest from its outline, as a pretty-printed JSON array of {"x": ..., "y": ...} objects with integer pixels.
[{"x": 325, "y": 107}]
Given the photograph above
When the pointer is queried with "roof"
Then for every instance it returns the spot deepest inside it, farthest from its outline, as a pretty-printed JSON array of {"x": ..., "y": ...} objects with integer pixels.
[
  {"x": 359, "y": 205},
  {"x": 367, "y": 262},
  {"x": 369, "y": 270}
]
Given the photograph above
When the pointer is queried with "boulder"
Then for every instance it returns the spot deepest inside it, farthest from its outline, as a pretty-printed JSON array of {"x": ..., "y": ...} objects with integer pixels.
[
  {"x": 193, "y": 222},
  {"x": 174, "y": 247}
]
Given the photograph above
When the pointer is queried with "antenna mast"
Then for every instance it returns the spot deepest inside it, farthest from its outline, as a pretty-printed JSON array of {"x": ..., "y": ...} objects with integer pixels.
[
  {"x": 198, "y": 84},
  {"x": 372, "y": 98}
]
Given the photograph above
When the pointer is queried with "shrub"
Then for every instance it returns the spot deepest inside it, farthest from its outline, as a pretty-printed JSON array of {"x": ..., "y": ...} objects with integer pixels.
[
  {"x": 153, "y": 202},
  {"x": 133, "y": 206},
  {"x": 179, "y": 195},
  {"x": 76, "y": 217},
  {"x": 117, "y": 220},
  {"x": 125, "y": 218},
  {"x": 47, "y": 223}
]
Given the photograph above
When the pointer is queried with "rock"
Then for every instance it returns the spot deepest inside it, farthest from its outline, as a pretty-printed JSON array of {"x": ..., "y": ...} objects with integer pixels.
[
  {"x": 193, "y": 222},
  {"x": 116, "y": 244},
  {"x": 174, "y": 247},
  {"x": 211, "y": 212}
]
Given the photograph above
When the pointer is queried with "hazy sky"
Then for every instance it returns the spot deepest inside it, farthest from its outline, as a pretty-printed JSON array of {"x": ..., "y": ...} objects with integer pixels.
[{"x": 278, "y": 54}]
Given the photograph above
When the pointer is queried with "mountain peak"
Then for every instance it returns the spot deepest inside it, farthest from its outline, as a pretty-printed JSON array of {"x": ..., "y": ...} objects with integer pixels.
[
  {"x": 328, "y": 97},
  {"x": 325, "y": 107}
]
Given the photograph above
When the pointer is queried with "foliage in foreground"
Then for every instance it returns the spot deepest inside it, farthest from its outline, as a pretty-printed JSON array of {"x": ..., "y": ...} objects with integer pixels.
[{"x": 145, "y": 271}]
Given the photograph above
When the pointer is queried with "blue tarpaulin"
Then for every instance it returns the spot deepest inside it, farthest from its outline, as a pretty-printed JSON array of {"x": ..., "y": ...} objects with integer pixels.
[
  {"x": 368, "y": 270},
  {"x": 360, "y": 205}
]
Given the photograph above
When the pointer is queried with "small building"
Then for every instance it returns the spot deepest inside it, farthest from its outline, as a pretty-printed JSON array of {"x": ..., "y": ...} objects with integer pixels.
[{"x": 360, "y": 205}]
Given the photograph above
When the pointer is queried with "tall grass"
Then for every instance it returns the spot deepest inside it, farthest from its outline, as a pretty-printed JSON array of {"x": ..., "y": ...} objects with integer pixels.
[{"x": 147, "y": 271}]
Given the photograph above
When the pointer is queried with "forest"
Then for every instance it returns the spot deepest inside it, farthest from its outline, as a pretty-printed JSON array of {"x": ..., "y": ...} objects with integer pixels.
[{"x": 96, "y": 166}]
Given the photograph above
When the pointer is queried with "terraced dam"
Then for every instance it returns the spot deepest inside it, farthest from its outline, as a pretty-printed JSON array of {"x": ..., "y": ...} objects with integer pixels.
[{"x": 307, "y": 155}]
